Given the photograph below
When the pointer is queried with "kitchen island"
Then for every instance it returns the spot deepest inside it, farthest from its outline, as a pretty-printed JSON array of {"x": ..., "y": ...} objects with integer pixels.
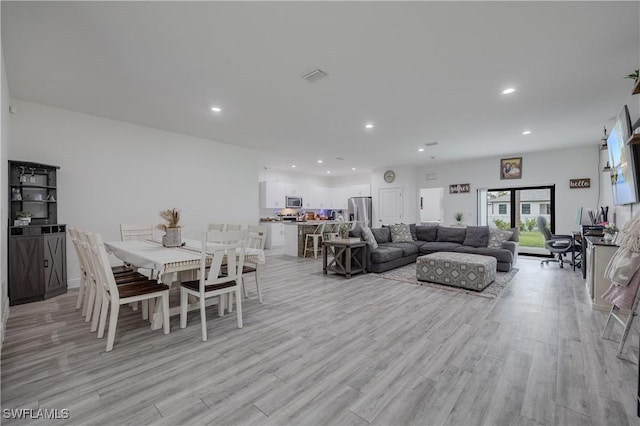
[{"x": 295, "y": 232}]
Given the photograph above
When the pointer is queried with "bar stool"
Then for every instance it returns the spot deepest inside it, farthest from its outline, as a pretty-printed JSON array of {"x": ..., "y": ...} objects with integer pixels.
[{"x": 316, "y": 236}]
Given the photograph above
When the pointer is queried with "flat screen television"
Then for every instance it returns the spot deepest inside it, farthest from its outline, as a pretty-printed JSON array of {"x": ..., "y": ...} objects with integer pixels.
[{"x": 623, "y": 161}]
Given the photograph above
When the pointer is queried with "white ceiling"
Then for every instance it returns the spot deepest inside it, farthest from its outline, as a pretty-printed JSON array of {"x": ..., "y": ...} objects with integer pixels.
[{"x": 420, "y": 71}]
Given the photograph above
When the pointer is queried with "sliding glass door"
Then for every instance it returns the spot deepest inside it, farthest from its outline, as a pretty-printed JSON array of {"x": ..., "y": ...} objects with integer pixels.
[{"x": 519, "y": 208}]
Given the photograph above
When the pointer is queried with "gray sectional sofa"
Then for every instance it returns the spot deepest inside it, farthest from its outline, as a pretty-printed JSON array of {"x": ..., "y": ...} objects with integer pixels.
[{"x": 430, "y": 239}]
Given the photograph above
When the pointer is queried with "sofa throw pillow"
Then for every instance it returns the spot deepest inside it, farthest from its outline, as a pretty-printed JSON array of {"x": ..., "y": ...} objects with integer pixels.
[
  {"x": 412, "y": 229},
  {"x": 516, "y": 235},
  {"x": 426, "y": 233},
  {"x": 367, "y": 235},
  {"x": 477, "y": 236},
  {"x": 498, "y": 236},
  {"x": 400, "y": 233},
  {"x": 451, "y": 235},
  {"x": 356, "y": 232},
  {"x": 382, "y": 235}
]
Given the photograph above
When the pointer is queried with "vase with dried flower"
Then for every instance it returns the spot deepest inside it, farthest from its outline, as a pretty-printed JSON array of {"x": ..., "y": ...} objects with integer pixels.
[{"x": 172, "y": 235}]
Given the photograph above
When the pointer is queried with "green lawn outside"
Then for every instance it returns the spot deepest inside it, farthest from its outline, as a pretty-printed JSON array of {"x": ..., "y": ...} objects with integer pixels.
[{"x": 531, "y": 239}]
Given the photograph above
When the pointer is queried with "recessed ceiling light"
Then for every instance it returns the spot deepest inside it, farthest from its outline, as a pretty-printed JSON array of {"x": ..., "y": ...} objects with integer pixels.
[
  {"x": 421, "y": 149},
  {"x": 526, "y": 132},
  {"x": 216, "y": 109},
  {"x": 368, "y": 126},
  {"x": 353, "y": 168},
  {"x": 508, "y": 91},
  {"x": 293, "y": 165},
  {"x": 319, "y": 161},
  {"x": 328, "y": 171}
]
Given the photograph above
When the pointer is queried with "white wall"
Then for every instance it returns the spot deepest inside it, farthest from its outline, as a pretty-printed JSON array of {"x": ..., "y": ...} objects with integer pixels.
[
  {"x": 541, "y": 168},
  {"x": 356, "y": 179},
  {"x": 405, "y": 179},
  {"x": 4, "y": 173},
  {"x": 114, "y": 172}
]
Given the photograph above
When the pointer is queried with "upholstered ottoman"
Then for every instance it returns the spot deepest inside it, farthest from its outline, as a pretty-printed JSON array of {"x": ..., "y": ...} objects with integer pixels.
[{"x": 470, "y": 271}]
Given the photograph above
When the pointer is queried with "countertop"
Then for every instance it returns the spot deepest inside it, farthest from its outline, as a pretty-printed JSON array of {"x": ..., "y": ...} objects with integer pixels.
[
  {"x": 600, "y": 241},
  {"x": 310, "y": 222}
]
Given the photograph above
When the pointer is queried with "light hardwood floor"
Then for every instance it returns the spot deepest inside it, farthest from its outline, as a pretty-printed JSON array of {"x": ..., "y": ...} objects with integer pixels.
[{"x": 323, "y": 350}]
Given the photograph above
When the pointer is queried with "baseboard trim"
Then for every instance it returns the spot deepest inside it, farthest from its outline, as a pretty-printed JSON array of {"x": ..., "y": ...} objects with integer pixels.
[
  {"x": 5, "y": 317},
  {"x": 73, "y": 283}
]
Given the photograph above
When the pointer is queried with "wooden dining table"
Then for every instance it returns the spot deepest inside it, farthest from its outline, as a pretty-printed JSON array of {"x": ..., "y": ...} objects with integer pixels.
[{"x": 174, "y": 264}]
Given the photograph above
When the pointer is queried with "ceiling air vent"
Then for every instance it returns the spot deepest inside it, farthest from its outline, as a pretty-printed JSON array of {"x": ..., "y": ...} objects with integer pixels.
[{"x": 315, "y": 75}]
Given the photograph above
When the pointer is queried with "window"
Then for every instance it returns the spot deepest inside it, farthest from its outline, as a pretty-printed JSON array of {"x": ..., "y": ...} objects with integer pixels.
[
  {"x": 518, "y": 208},
  {"x": 545, "y": 208}
]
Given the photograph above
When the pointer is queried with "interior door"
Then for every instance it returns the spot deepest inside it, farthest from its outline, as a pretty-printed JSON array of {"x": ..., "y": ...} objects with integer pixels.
[
  {"x": 431, "y": 204},
  {"x": 390, "y": 207}
]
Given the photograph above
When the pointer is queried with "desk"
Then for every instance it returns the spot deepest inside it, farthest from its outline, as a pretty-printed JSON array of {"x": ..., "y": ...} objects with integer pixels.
[
  {"x": 599, "y": 253},
  {"x": 587, "y": 231},
  {"x": 168, "y": 261},
  {"x": 344, "y": 254}
]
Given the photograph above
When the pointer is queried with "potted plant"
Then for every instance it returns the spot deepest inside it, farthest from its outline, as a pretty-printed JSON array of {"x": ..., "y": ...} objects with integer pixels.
[
  {"x": 24, "y": 217},
  {"x": 458, "y": 217},
  {"x": 343, "y": 229},
  {"x": 633, "y": 75},
  {"x": 172, "y": 236}
]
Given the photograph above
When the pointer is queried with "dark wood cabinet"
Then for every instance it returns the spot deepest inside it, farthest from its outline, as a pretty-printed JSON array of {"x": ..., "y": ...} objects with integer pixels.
[
  {"x": 26, "y": 272},
  {"x": 55, "y": 274},
  {"x": 37, "y": 247},
  {"x": 37, "y": 263}
]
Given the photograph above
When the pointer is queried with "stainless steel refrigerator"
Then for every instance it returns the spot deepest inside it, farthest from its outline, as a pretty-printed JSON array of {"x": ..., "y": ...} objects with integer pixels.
[{"x": 360, "y": 210}]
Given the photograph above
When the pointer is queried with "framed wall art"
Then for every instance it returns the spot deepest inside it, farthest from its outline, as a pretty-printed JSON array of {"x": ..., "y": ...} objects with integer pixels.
[
  {"x": 459, "y": 188},
  {"x": 511, "y": 168}
]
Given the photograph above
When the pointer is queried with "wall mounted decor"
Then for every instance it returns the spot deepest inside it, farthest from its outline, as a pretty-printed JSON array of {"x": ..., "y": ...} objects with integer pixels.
[
  {"x": 459, "y": 188},
  {"x": 580, "y": 183},
  {"x": 511, "y": 168}
]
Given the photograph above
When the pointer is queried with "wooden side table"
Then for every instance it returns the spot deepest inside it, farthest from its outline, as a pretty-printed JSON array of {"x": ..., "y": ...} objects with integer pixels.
[{"x": 347, "y": 257}]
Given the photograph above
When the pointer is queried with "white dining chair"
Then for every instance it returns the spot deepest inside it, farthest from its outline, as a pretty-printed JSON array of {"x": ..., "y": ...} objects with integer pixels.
[
  {"x": 316, "y": 238},
  {"x": 136, "y": 232},
  {"x": 220, "y": 246},
  {"x": 116, "y": 295},
  {"x": 232, "y": 227},
  {"x": 256, "y": 238},
  {"x": 95, "y": 291},
  {"x": 216, "y": 227},
  {"x": 83, "y": 289}
]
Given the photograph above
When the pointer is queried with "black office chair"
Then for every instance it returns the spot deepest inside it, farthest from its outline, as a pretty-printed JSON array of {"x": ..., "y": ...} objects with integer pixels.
[{"x": 558, "y": 245}]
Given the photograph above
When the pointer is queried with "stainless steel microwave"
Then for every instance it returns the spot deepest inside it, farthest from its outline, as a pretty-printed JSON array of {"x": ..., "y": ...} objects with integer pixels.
[{"x": 293, "y": 202}]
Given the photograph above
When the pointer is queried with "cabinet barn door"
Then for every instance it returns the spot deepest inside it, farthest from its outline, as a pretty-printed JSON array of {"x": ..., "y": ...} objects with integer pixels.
[
  {"x": 55, "y": 276},
  {"x": 26, "y": 275}
]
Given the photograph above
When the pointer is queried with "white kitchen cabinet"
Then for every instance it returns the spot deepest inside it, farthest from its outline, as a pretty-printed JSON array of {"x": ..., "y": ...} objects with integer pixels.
[
  {"x": 339, "y": 198},
  {"x": 310, "y": 198},
  {"x": 323, "y": 197},
  {"x": 272, "y": 195},
  {"x": 360, "y": 190},
  {"x": 598, "y": 256},
  {"x": 275, "y": 234}
]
